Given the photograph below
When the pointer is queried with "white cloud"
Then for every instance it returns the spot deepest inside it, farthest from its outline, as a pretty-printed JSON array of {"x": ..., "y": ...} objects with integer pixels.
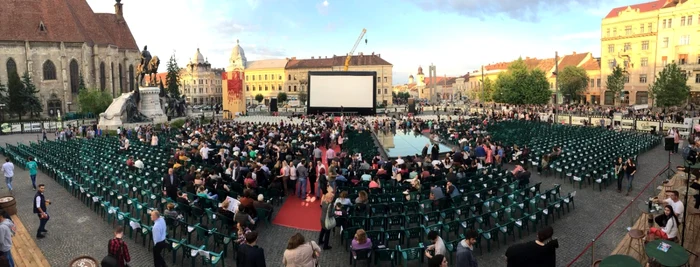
[
  {"x": 323, "y": 8},
  {"x": 325, "y": 3}
]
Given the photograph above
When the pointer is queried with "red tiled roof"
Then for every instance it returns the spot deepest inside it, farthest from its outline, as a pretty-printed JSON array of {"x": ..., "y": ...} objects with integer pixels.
[
  {"x": 592, "y": 64},
  {"x": 65, "y": 21},
  {"x": 358, "y": 60},
  {"x": 572, "y": 60},
  {"x": 440, "y": 81},
  {"x": 497, "y": 66},
  {"x": 644, "y": 7}
]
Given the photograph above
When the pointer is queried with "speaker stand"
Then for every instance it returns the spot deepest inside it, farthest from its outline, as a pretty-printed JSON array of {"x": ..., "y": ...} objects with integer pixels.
[{"x": 668, "y": 171}]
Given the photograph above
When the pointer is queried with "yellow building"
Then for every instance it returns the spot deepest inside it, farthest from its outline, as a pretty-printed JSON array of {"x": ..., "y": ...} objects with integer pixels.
[
  {"x": 629, "y": 39},
  {"x": 265, "y": 77},
  {"x": 297, "y": 71},
  {"x": 200, "y": 83}
]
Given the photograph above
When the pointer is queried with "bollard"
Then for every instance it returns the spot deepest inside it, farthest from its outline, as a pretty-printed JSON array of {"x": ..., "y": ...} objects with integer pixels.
[{"x": 592, "y": 251}]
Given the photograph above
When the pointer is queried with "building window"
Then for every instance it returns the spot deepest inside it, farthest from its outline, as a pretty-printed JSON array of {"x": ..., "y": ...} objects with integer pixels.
[
  {"x": 689, "y": 20},
  {"x": 386, "y": 91},
  {"x": 259, "y": 77},
  {"x": 280, "y": 77},
  {"x": 628, "y": 30},
  {"x": 253, "y": 76},
  {"x": 607, "y": 33},
  {"x": 669, "y": 23},
  {"x": 246, "y": 77},
  {"x": 628, "y": 46},
  {"x": 253, "y": 86},
  {"x": 121, "y": 80},
  {"x": 279, "y": 87},
  {"x": 649, "y": 27},
  {"x": 598, "y": 83},
  {"x": 379, "y": 91},
  {"x": 111, "y": 73},
  {"x": 615, "y": 32},
  {"x": 103, "y": 81},
  {"x": 295, "y": 78},
  {"x": 385, "y": 79},
  {"x": 11, "y": 67},
  {"x": 266, "y": 77},
  {"x": 131, "y": 78},
  {"x": 663, "y": 24},
  {"x": 611, "y": 48},
  {"x": 592, "y": 83},
  {"x": 682, "y": 59},
  {"x": 642, "y": 78},
  {"x": 74, "y": 76},
  {"x": 682, "y": 21},
  {"x": 641, "y": 28},
  {"x": 627, "y": 79},
  {"x": 295, "y": 88},
  {"x": 664, "y": 44},
  {"x": 266, "y": 87},
  {"x": 645, "y": 45},
  {"x": 697, "y": 78},
  {"x": 49, "y": 70},
  {"x": 379, "y": 79},
  {"x": 289, "y": 89},
  {"x": 645, "y": 61},
  {"x": 664, "y": 60},
  {"x": 685, "y": 40},
  {"x": 642, "y": 98},
  {"x": 289, "y": 77},
  {"x": 611, "y": 63}
]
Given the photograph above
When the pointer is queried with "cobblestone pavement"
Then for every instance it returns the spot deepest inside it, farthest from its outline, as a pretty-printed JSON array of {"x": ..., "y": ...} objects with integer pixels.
[{"x": 75, "y": 230}]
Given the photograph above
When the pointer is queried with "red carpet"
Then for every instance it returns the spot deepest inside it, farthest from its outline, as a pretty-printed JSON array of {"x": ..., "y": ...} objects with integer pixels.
[{"x": 303, "y": 215}]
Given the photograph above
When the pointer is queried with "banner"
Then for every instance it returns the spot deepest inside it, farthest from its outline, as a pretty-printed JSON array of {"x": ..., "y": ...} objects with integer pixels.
[
  {"x": 647, "y": 126},
  {"x": 627, "y": 124},
  {"x": 576, "y": 120},
  {"x": 564, "y": 119}
]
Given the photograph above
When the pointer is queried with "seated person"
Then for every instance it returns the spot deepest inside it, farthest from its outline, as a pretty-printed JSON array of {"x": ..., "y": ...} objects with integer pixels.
[
  {"x": 366, "y": 177},
  {"x": 130, "y": 162},
  {"x": 669, "y": 223},
  {"x": 243, "y": 217},
  {"x": 675, "y": 203},
  {"x": 170, "y": 212},
  {"x": 182, "y": 199},
  {"x": 203, "y": 192},
  {"x": 375, "y": 183},
  {"x": 343, "y": 199},
  {"x": 451, "y": 189},
  {"x": 262, "y": 204},
  {"x": 517, "y": 169},
  {"x": 224, "y": 209},
  {"x": 360, "y": 241},
  {"x": 241, "y": 230},
  {"x": 523, "y": 178}
]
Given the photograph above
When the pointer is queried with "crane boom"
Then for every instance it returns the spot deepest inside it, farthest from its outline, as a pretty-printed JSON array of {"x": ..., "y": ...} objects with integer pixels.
[{"x": 347, "y": 59}]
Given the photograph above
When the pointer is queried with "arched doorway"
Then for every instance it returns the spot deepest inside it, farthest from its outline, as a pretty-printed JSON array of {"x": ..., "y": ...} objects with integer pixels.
[{"x": 53, "y": 106}]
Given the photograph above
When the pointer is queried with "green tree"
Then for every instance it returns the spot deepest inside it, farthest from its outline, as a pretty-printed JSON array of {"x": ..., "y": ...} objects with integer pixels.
[
  {"x": 93, "y": 101},
  {"x": 670, "y": 87},
  {"x": 302, "y": 97},
  {"x": 31, "y": 100},
  {"x": 281, "y": 98},
  {"x": 259, "y": 98},
  {"x": 81, "y": 83},
  {"x": 573, "y": 81},
  {"x": 15, "y": 102},
  {"x": 172, "y": 79},
  {"x": 3, "y": 94},
  {"x": 487, "y": 90},
  {"x": 616, "y": 83},
  {"x": 519, "y": 85}
]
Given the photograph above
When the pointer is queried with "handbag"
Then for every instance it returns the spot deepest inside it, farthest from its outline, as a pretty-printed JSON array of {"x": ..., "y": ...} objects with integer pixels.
[
  {"x": 313, "y": 256},
  {"x": 329, "y": 223}
]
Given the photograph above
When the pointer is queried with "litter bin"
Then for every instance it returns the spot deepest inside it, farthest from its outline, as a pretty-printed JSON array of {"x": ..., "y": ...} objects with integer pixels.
[{"x": 9, "y": 205}]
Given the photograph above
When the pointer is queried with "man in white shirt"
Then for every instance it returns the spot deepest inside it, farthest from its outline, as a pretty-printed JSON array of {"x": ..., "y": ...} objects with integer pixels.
[
  {"x": 204, "y": 152},
  {"x": 8, "y": 170},
  {"x": 675, "y": 203}
]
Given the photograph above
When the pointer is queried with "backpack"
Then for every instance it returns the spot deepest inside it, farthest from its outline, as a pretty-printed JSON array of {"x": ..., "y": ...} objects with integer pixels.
[{"x": 689, "y": 154}]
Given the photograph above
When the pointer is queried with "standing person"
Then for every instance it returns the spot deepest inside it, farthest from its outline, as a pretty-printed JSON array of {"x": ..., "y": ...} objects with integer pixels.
[
  {"x": 32, "y": 166},
  {"x": 118, "y": 249},
  {"x": 8, "y": 170},
  {"x": 465, "y": 250},
  {"x": 40, "y": 209},
  {"x": 327, "y": 220},
  {"x": 302, "y": 174},
  {"x": 312, "y": 178},
  {"x": 299, "y": 253},
  {"x": 158, "y": 231},
  {"x": 249, "y": 254},
  {"x": 630, "y": 170},
  {"x": 619, "y": 172},
  {"x": 438, "y": 247},
  {"x": 538, "y": 253},
  {"x": 7, "y": 230},
  {"x": 170, "y": 184}
]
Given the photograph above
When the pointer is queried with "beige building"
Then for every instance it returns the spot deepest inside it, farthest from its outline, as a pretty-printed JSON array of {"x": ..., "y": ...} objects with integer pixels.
[
  {"x": 297, "y": 71},
  {"x": 57, "y": 42},
  {"x": 265, "y": 77},
  {"x": 200, "y": 83}
]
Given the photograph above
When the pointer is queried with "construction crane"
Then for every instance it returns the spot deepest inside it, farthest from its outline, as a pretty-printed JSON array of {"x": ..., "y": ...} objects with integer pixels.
[{"x": 347, "y": 59}]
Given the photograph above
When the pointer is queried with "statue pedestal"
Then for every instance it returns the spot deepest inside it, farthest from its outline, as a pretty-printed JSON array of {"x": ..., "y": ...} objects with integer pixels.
[{"x": 150, "y": 104}]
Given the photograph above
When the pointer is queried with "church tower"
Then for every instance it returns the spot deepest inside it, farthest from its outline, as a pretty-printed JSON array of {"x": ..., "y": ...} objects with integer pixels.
[
  {"x": 410, "y": 79},
  {"x": 421, "y": 77}
]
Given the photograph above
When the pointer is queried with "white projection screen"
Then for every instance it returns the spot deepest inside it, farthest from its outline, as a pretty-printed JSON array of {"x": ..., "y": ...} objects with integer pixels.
[{"x": 331, "y": 90}]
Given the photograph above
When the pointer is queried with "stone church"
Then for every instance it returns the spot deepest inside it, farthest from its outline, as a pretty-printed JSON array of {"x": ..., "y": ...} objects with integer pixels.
[{"x": 58, "y": 41}]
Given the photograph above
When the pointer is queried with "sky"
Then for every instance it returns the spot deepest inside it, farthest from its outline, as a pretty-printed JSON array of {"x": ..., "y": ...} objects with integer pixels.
[{"x": 457, "y": 36}]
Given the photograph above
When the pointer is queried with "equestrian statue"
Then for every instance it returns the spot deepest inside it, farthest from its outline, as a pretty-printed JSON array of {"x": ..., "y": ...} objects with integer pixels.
[{"x": 149, "y": 66}]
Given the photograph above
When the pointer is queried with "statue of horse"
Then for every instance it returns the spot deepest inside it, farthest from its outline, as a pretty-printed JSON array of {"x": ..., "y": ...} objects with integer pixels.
[{"x": 151, "y": 69}]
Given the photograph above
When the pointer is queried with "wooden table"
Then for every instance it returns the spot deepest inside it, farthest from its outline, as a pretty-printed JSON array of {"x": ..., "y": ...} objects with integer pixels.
[
  {"x": 619, "y": 261},
  {"x": 675, "y": 256}
]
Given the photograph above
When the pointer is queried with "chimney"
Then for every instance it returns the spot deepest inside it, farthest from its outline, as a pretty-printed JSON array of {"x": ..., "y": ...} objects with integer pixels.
[
  {"x": 294, "y": 58},
  {"x": 286, "y": 58},
  {"x": 379, "y": 55},
  {"x": 312, "y": 57},
  {"x": 574, "y": 52},
  {"x": 326, "y": 56},
  {"x": 373, "y": 53},
  {"x": 527, "y": 58},
  {"x": 119, "y": 11}
]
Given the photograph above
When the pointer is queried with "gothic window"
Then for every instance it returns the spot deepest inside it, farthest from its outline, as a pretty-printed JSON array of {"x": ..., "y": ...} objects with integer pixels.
[
  {"x": 103, "y": 81},
  {"x": 74, "y": 77},
  {"x": 49, "y": 70},
  {"x": 121, "y": 80},
  {"x": 11, "y": 66},
  {"x": 111, "y": 72},
  {"x": 131, "y": 78}
]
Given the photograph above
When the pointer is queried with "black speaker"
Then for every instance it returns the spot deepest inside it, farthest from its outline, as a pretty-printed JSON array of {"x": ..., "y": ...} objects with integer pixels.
[
  {"x": 273, "y": 105},
  {"x": 668, "y": 144},
  {"x": 411, "y": 105}
]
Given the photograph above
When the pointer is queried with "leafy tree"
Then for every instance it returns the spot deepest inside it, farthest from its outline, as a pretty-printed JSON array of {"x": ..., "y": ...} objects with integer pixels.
[
  {"x": 29, "y": 92},
  {"x": 616, "y": 82},
  {"x": 281, "y": 98},
  {"x": 3, "y": 94},
  {"x": 573, "y": 81},
  {"x": 14, "y": 95},
  {"x": 670, "y": 87},
  {"x": 259, "y": 98},
  {"x": 172, "y": 79},
  {"x": 519, "y": 85},
  {"x": 302, "y": 97},
  {"x": 487, "y": 90},
  {"x": 93, "y": 101},
  {"x": 81, "y": 83}
]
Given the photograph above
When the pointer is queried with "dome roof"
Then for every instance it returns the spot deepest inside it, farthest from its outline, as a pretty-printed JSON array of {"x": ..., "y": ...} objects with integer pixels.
[
  {"x": 198, "y": 58},
  {"x": 410, "y": 76},
  {"x": 420, "y": 70},
  {"x": 238, "y": 55}
]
